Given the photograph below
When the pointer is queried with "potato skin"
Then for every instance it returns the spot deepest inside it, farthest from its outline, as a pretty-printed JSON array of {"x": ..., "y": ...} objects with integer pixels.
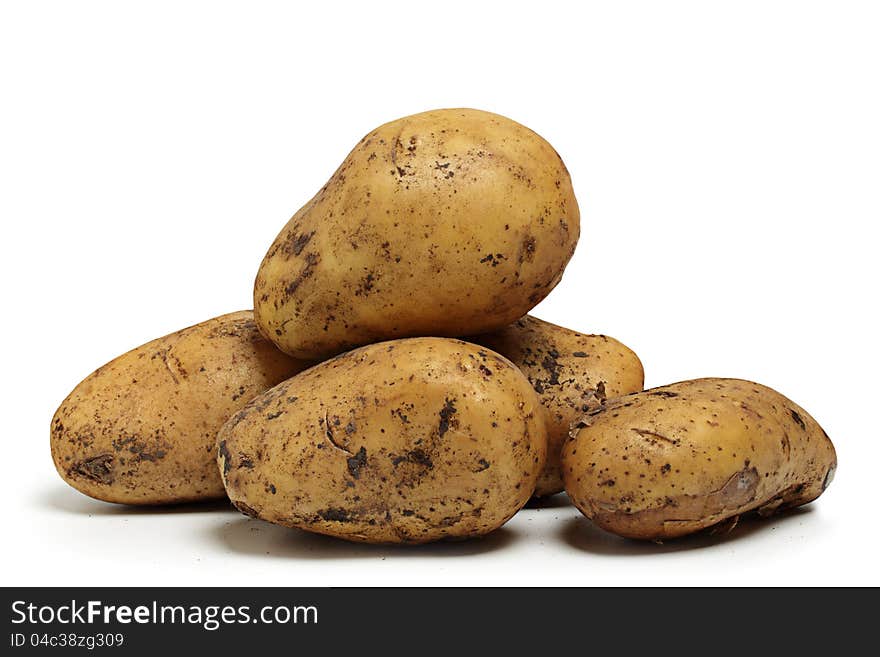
[
  {"x": 142, "y": 429},
  {"x": 406, "y": 441},
  {"x": 573, "y": 374},
  {"x": 677, "y": 459},
  {"x": 446, "y": 223}
]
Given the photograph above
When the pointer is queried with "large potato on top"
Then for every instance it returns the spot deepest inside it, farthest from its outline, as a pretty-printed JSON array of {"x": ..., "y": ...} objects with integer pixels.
[
  {"x": 447, "y": 223},
  {"x": 142, "y": 429},
  {"x": 406, "y": 441},
  {"x": 573, "y": 373},
  {"x": 674, "y": 460}
]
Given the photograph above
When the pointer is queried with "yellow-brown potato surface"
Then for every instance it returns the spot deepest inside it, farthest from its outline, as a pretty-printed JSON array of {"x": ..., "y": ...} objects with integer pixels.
[
  {"x": 406, "y": 441},
  {"x": 673, "y": 460},
  {"x": 446, "y": 223},
  {"x": 573, "y": 374},
  {"x": 142, "y": 429}
]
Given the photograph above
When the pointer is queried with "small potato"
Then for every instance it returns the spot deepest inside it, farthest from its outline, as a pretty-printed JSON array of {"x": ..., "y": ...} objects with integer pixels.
[
  {"x": 407, "y": 441},
  {"x": 674, "y": 460},
  {"x": 573, "y": 373},
  {"x": 445, "y": 223},
  {"x": 142, "y": 429}
]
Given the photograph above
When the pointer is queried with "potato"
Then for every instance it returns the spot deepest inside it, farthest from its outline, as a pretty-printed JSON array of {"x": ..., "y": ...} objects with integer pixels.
[
  {"x": 142, "y": 429},
  {"x": 573, "y": 373},
  {"x": 446, "y": 223},
  {"x": 673, "y": 460},
  {"x": 406, "y": 441}
]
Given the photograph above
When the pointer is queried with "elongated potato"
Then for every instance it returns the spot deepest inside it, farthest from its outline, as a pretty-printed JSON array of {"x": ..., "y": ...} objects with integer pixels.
[
  {"x": 674, "y": 460},
  {"x": 407, "y": 441},
  {"x": 445, "y": 223},
  {"x": 573, "y": 373},
  {"x": 142, "y": 429}
]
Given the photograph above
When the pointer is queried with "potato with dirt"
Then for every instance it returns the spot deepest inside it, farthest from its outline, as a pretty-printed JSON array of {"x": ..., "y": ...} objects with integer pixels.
[
  {"x": 680, "y": 458},
  {"x": 405, "y": 441},
  {"x": 142, "y": 429},
  {"x": 573, "y": 374},
  {"x": 446, "y": 223}
]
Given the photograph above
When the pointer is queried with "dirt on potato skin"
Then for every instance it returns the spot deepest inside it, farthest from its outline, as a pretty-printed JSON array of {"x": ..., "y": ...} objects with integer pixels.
[
  {"x": 467, "y": 204},
  {"x": 407, "y": 441},
  {"x": 675, "y": 460},
  {"x": 572, "y": 373},
  {"x": 142, "y": 428}
]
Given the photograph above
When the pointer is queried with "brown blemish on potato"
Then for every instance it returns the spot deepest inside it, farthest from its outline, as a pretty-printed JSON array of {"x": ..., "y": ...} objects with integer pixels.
[
  {"x": 331, "y": 436},
  {"x": 96, "y": 468},
  {"x": 229, "y": 326},
  {"x": 446, "y": 419},
  {"x": 417, "y": 456},
  {"x": 366, "y": 285},
  {"x": 335, "y": 515},
  {"x": 356, "y": 462},
  {"x": 751, "y": 411},
  {"x": 527, "y": 249},
  {"x": 299, "y": 242},
  {"x": 552, "y": 367},
  {"x": 135, "y": 446},
  {"x": 396, "y": 144},
  {"x": 176, "y": 370},
  {"x": 225, "y": 456},
  {"x": 312, "y": 260},
  {"x": 494, "y": 259},
  {"x": 653, "y": 436}
]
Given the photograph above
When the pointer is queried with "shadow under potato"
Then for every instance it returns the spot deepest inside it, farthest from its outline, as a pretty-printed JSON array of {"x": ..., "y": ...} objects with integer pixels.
[
  {"x": 67, "y": 500},
  {"x": 582, "y": 534},
  {"x": 555, "y": 501},
  {"x": 255, "y": 537}
]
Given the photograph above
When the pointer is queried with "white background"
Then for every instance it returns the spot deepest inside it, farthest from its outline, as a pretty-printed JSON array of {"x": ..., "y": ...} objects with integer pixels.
[{"x": 726, "y": 156}]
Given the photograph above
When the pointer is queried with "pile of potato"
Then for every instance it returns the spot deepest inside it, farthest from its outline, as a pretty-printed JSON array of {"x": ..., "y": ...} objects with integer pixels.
[{"x": 389, "y": 385}]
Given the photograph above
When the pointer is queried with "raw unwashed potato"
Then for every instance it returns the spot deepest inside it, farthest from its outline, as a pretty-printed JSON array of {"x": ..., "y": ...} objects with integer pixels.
[
  {"x": 142, "y": 429},
  {"x": 573, "y": 373},
  {"x": 673, "y": 460},
  {"x": 446, "y": 223},
  {"x": 406, "y": 441}
]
